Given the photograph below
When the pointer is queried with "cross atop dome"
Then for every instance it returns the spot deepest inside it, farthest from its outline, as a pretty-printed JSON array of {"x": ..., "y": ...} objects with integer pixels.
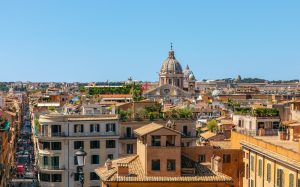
[{"x": 171, "y": 52}]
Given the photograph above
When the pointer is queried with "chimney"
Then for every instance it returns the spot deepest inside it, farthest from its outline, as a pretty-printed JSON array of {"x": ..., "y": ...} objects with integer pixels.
[
  {"x": 123, "y": 169},
  {"x": 169, "y": 124},
  {"x": 216, "y": 164},
  {"x": 108, "y": 164}
]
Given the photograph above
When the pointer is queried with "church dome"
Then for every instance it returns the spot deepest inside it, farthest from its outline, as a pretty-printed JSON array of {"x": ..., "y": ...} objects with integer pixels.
[
  {"x": 192, "y": 77},
  {"x": 187, "y": 72},
  {"x": 171, "y": 65}
]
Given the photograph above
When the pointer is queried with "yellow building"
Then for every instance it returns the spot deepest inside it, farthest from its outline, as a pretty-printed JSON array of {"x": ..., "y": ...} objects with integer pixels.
[{"x": 269, "y": 161}]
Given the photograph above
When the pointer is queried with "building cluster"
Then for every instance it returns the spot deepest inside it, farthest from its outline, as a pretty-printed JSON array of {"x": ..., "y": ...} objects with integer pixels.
[
  {"x": 11, "y": 109},
  {"x": 178, "y": 131}
]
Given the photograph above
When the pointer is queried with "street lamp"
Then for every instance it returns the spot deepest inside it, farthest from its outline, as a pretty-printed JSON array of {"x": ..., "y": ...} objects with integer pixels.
[{"x": 80, "y": 155}]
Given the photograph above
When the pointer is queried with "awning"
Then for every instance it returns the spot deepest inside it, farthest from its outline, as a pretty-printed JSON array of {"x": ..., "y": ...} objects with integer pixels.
[{"x": 5, "y": 126}]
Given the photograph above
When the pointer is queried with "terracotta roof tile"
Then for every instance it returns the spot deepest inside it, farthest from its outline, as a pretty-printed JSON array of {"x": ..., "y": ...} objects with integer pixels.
[
  {"x": 148, "y": 128},
  {"x": 136, "y": 173}
]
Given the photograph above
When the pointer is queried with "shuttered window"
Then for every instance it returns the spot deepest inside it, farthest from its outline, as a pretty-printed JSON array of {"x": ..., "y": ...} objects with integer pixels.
[
  {"x": 252, "y": 163},
  {"x": 280, "y": 178},
  {"x": 260, "y": 167},
  {"x": 291, "y": 180},
  {"x": 269, "y": 172}
]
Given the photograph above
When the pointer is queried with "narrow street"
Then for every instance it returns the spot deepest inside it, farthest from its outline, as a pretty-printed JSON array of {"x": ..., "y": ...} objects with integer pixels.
[{"x": 24, "y": 172}]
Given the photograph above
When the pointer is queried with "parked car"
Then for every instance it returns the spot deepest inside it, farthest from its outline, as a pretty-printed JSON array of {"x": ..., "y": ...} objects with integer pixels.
[{"x": 20, "y": 169}]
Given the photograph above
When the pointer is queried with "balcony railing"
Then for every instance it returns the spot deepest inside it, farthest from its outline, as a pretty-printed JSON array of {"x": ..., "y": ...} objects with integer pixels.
[
  {"x": 187, "y": 134},
  {"x": 49, "y": 167},
  {"x": 266, "y": 132},
  {"x": 56, "y": 134},
  {"x": 78, "y": 134},
  {"x": 128, "y": 136}
]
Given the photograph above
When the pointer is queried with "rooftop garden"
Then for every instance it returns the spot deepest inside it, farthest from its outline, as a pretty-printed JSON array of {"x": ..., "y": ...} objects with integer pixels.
[
  {"x": 134, "y": 89},
  {"x": 154, "y": 112},
  {"x": 258, "y": 112}
]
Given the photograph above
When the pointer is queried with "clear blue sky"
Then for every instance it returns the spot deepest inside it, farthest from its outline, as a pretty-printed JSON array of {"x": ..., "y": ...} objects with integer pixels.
[{"x": 99, "y": 40}]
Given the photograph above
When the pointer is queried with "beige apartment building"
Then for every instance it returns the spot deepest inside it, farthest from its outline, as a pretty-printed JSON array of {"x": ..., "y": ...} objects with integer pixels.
[
  {"x": 127, "y": 141},
  {"x": 60, "y": 135},
  {"x": 253, "y": 125}
]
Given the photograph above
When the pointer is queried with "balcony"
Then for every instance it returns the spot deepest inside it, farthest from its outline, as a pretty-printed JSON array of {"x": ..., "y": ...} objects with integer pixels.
[
  {"x": 54, "y": 168},
  {"x": 92, "y": 134},
  {"x": 267, "y": 132},
  {"x": 128, "y": 136},
  {"x": 56, "y": 134}
]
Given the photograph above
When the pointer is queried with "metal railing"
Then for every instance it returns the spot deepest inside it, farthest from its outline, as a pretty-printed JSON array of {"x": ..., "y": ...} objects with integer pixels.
[
  {"x": 50, "y": 167},
  {"x": 265, "y": 132},
  {"x": 129, "y": 136},
  {"x": 57, "y": 134}
]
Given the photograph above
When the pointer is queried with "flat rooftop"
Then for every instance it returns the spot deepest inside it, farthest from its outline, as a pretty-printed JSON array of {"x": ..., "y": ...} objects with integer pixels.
[{"x": 287, "y": 144}]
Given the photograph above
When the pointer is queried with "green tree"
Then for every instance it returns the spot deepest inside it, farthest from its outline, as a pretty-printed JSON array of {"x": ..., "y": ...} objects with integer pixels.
[
  {"x": 212, "y": 125},
  {"x": 185, "y": 112}
]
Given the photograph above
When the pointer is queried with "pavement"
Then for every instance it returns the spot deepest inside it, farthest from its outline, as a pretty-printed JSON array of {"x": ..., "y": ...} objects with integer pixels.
[{"x": 24, "y": 172}]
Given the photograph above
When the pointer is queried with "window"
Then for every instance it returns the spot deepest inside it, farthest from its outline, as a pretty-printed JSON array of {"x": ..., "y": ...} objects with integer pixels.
[
  {"x": 95, "y": 159},
  {"x": 55, "y": 130},
  {"x": 55, "y": 146},
  {"x": 95, "y": 144},
  {"x": 291, "y": 180},
  {"x": 252, "y": 163},
  {"x": 46, "y": 145},
  {"x": 252, "y": 183},
  {"x": 110, "y": 156},
  {"x": 202, "y": 158},
  {"x": 185, "y": 130},
  {"x": 94, "y": 128},
  {"x": 56, "y": 177},
  {"x": 128, "y": 132},
  {"x": 240, "y": 123},
  {"x": 156, "y": 165},
  {"x": 94, "y": 176},
  {"x": 129, "y": 149},
  {"x": 275, "y": 125},
  {"x": 170, "y": 141},
  {"x": 110, "y": 144},
  {"x": 260, "y": 167},
  {"x": 55, "y": 162},
  {"x": 110, "y": 127},
  {"x": 78, "y": 144},
  {"x": 280, "y": 178},
  {"x": 269, "y": 172},
  {"x": 155, "y": 140},
  {"x": 45, "y": 160},
  {"x": 226, "y": 158},
  {"x": 45, "y": 177},
  {"x": 78, "y": 128},
  {"x": 75, "y": 160},
  {"x": 247, "y": 171},
  {"x": 171, "y": 165}
]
